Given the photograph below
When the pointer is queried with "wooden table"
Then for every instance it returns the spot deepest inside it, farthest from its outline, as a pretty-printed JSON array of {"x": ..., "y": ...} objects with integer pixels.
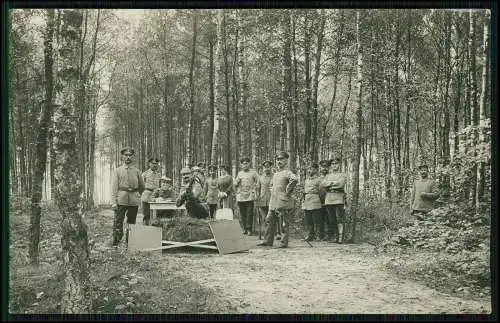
[{"x": 163, "y": 205}]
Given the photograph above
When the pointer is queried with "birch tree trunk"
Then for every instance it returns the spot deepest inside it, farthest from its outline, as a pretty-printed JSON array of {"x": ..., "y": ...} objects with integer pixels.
[
  {"x": 42, "y": 139},
  {"x": 473, "y": 100},
  {"x": 481, "y": 174},
  {"x": 359, "y": 127},
  {"x": 446, "y": 109},
  {"x": 217, "y": 87},
  {"x": 317, "y": 70},
  {"x": 190, "y": 136},
  {"x": 211, "y": 98},
  {"x": 77, "y": 290},
  {"x": 287, "y": 88},
  {"x": 307, "y": 63}
]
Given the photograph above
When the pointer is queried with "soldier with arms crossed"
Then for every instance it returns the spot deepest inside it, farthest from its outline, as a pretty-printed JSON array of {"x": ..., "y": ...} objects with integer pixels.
[{"x": 311, "y": 203}]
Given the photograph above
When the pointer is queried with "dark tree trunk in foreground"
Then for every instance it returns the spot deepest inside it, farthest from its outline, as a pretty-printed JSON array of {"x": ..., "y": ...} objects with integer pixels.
[
  {"x": 42, "y": 141},
  {"x": 76, "y": 296}
]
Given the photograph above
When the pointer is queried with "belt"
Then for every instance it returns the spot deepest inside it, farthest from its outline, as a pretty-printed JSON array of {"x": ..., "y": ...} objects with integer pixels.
[
  {"x": 312, "y": 193},
  {"x": 149, "y": 189},
  {"x": 129, "y": 189}
]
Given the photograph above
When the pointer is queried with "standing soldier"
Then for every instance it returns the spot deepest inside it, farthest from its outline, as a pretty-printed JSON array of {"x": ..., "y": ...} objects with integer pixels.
[
  {"x": 312, "y": 204},
  {"x": 212, "y": 190},
  {"x": 334, "y": 183},
  {"x": 323, "y": 218},
  {"x": 225, "y": 187},
  {"x": 281, "y": 203},
  {"x": 424, "y": 193},
  {"x": 126, "y": 189},
  {"x": 151, "y": 179},
  {"x": 264, "y": 192},
  {"x": 246, "y": 191}
]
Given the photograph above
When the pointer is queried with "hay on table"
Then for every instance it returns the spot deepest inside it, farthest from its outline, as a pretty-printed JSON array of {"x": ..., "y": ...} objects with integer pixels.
[{"x": 184, "y": 229}]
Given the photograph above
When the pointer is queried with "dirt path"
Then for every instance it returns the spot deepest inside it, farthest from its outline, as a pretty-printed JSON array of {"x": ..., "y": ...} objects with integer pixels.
[{"x": 328, "y": 278}]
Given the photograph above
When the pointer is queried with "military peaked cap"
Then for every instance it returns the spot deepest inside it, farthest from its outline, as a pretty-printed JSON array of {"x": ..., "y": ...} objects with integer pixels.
[
  {"x": 127, "y": 150},
  {"x": 154, "y": 159},
  {"x": 282, "y": 155}
]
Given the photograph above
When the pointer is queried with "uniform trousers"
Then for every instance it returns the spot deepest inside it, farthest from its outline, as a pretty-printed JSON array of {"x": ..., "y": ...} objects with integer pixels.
[
  {"x": 130, "y": 212},
  {"x": 274, "y": 217},
  {"x": 314, "y": 220}
]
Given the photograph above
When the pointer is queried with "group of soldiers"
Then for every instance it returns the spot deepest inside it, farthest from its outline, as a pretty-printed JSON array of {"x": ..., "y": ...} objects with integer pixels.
[{"x": 323, "y": 201}]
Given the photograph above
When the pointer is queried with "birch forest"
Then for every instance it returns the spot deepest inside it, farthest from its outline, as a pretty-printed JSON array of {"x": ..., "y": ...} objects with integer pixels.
[{"x": 384, "y": 90}]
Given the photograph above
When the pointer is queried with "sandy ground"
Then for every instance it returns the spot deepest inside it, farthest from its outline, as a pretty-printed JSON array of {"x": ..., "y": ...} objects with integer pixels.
[{"x": 327, "y": 278}]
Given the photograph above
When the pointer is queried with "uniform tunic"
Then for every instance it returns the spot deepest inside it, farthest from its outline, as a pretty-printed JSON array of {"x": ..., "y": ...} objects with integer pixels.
[
  {"x": 127, "y": 183},
  {"x": 337, "y": 182},
  {"x": 423, "y": 195},
  {"x": 151, "y": 183},
  {"x": 264, "y": 190},
  {"x": 311, "y": 193},
  {"x": 281, "y": 186},
  {"x": 212, "y": 190},
  {"x": 246, "y": 185}
]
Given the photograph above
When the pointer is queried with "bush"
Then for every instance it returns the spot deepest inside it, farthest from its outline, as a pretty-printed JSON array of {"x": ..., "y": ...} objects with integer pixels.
[{"x": 456, "y": 245}]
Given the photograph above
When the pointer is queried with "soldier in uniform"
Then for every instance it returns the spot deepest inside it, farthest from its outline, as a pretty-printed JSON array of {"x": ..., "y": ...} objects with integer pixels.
[
  {"x": 212, "y": 190},
  {"x": 334, "y": 183},
  {"x": 190, "y": 195},
  {"x": 127, "y": 187},
  {"x": 311, "y": 203},
  {"x": 424, "y": 193},
  {"x": 226, "y": 188},
  {"x": 246, "y": 186},
  {"x": 165, "y": 192},
  {"x": 151, "y": 179},
  {"x": 323, "y": 217},
  {"x": 263, "y": 190},
  {"x": 281, "y": 203}
]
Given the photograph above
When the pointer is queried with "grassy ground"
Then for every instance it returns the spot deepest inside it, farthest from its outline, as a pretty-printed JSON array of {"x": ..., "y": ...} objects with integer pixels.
[{"x": 122, "y": 282}]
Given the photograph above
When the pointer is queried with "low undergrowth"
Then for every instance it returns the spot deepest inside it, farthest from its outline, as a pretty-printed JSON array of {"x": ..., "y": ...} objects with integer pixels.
[
  {"x": 449, "y": 249},
  {"x": 122, "y": 282}
]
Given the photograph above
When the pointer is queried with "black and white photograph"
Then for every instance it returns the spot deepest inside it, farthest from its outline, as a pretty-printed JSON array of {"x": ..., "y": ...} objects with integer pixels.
[{"x": 250, "y": 161}]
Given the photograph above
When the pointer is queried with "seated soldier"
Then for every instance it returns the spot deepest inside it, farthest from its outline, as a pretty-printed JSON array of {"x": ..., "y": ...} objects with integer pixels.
[
  {"x": 165, "y": 192},
  {"x": 190, "y": 195}
]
